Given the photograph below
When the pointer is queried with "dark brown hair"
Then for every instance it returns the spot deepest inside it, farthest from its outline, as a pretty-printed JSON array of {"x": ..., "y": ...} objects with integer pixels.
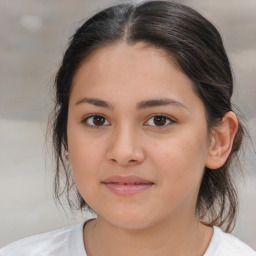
[{"x": 197, "y": 47}]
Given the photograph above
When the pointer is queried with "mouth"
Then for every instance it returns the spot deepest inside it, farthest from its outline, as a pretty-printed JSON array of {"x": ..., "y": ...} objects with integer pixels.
[{"x": 127, "y": 185}]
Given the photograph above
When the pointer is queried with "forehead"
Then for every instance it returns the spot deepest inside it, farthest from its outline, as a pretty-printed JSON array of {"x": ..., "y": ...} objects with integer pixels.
[
  {"x": 140, "y": 57},
  {"x": 131, "y": 72}
]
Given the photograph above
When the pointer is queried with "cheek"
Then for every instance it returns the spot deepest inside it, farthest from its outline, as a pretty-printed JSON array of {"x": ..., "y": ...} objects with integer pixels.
[
  {"x": 181, "y": 158},
  {"x": 86, "y": 155},
  {"x": 86, "y": 163},
  {"x": 180, "y": 170}
]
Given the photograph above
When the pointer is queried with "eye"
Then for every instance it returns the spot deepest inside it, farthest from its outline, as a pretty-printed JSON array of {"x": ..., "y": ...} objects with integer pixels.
[
  {"x": 96, "y": 121},
  {"x": 159, "y": 120}
]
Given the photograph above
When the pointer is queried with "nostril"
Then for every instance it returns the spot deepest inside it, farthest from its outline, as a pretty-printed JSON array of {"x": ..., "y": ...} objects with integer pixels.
[
  {"x": 129, "y": 162},
  {"x": 113, "y": 160}
]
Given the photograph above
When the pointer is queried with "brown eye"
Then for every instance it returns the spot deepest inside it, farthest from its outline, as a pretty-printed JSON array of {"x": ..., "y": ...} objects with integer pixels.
[
  {"x": 96, "y": 120},
  {"x": 159, "y": 120}
]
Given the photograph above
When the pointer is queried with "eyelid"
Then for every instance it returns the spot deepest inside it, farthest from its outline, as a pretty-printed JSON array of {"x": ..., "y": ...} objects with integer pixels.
[
  {"x": 84, "y": 120},
  {"x": 172, "y": 120}
]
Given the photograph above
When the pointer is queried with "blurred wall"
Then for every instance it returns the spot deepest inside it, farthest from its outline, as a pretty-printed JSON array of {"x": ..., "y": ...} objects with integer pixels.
[{"x": 33, "y": 37}]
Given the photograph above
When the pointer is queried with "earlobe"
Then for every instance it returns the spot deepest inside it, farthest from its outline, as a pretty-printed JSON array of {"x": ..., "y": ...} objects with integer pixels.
[
  {"x": 222, "y": 140},
  {"x": 67, "y": 156}
]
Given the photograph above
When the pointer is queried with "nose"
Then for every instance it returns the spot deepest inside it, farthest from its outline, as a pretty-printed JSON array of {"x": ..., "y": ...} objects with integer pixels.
[{"x": 124, "y": 147}]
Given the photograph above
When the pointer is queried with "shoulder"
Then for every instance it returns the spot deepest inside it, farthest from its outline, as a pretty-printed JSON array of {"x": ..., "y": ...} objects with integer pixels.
[
  {"x": 57, "y": 242},
  {"x": 236, "y": 246},
  {"x": 224, "y": 244}
]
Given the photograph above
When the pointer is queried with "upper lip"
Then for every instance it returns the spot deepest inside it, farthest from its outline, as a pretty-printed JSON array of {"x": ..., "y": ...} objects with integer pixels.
[{"x": 126, "y": 180}]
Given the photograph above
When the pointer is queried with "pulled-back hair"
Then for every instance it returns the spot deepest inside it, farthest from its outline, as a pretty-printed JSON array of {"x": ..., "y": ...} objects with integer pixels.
[{"x": 197, "y": 47}]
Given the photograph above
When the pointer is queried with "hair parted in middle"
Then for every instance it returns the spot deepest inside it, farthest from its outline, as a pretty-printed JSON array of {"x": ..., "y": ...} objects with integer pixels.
[{"x": 197, "y": 47}]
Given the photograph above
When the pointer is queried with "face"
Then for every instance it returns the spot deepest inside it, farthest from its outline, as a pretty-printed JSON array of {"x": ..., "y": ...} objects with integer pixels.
[{"x": 137, "y": 136}]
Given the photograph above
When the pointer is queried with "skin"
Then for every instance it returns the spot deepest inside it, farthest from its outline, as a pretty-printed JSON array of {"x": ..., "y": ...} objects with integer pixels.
[{"x": 172, "y": 156}]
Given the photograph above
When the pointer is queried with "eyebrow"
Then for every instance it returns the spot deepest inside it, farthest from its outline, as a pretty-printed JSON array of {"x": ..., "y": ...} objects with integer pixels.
[
  {"x": 159, "y": 102},
  {"x": 95, "y": 102},
  {"x": 141, "y": 105}
]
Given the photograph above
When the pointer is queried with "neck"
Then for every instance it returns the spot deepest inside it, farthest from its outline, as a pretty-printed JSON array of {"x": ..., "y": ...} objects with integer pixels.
[{"x": 168, "y": 238}]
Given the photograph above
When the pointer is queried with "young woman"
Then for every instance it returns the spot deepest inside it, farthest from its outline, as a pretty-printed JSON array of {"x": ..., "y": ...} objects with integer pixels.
[{"x": 144, "y": 127}]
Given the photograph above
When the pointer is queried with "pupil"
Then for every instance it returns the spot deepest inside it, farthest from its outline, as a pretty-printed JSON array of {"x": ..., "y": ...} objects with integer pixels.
[
  {"x": 159, "y": 120},
  {"x": 98, "y": 120}
]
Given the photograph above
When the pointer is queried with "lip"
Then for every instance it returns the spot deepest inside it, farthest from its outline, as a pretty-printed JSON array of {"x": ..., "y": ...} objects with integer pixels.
[{"x": 127, "y": 185}]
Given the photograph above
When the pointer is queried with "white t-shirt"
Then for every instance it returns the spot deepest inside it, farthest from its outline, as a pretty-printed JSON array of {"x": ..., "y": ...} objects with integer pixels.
[{"x": 68, "y": 241}]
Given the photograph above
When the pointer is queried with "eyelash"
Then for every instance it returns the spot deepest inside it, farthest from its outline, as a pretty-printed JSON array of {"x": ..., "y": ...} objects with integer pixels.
[
  {"x": 167, "y": 118},
  {"x": 85, "y": 120}
]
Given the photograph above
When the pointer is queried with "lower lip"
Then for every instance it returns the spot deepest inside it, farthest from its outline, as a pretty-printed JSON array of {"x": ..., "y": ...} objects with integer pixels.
[{"x": 127, "y": 189}]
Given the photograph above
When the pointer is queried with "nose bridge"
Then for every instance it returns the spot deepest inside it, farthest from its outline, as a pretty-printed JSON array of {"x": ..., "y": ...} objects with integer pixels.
[{"x": 125, "y": 145}]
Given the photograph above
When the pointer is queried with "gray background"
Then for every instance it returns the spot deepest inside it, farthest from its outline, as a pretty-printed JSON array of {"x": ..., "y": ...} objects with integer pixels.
[{"x": 33, "y": 37}]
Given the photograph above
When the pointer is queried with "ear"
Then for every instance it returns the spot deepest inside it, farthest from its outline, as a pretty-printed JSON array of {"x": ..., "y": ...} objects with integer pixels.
[
  {"x": 67, "y": 156},
  {"x": 221, "y": 141}
]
